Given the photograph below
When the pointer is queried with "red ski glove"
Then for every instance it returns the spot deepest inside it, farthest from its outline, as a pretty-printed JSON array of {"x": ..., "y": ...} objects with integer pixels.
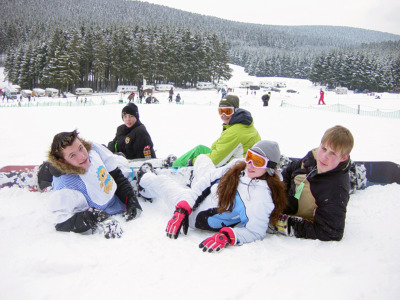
[
  {"x": 219, "y": 240},
  {"x": 179, "y": 220}
]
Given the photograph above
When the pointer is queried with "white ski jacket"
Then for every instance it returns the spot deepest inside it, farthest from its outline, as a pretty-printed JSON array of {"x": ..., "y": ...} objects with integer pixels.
[
  {"x": 252, "y": 208},
  {"x": 96, "y": 188}
]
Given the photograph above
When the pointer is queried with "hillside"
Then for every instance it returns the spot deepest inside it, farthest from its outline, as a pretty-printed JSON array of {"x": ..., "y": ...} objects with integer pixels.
[
  {"x": 371, "y": 57},
  {"x": 36, "y": 19}
]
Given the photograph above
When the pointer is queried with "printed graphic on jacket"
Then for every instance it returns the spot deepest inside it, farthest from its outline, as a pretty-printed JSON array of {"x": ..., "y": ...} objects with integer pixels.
[
  {"x": 105, "y": 179},
  {"x": 147, "y": 152}
]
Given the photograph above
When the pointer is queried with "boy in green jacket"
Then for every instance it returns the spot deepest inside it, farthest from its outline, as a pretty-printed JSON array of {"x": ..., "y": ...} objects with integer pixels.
[{"x": 238, "y": 135}]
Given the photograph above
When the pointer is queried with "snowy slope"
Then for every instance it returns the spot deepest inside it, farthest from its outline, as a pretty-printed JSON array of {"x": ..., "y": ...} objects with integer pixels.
[{"x": 39, "y": 263}]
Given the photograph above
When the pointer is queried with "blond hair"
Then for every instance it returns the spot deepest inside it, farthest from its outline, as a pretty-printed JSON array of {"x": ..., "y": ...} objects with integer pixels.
[{"x": 339, "y": 139}]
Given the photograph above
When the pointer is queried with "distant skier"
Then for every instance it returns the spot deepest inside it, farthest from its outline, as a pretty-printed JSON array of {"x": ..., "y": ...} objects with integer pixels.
[
  {"x": 321, "y": 97},
  {"x": 223, "y": 93},
  {"x": 265, "y": 98},
  {"x": 171, "y": 94},
  {"x": 178, "y": 98},
  {"x": 131, "y": 97},
  {"x": 141, "y": 95}
]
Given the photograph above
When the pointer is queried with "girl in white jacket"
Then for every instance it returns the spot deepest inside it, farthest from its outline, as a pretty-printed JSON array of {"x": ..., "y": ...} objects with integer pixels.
[{"x": 237, "y": 200}]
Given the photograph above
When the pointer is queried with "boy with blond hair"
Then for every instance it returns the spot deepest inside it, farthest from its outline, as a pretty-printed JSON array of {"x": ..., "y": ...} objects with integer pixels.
[{"x": 318, "y": 188}]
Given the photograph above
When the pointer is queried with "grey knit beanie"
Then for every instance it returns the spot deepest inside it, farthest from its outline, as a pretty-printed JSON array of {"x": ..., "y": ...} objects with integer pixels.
[{"x": 270, "y": 150}]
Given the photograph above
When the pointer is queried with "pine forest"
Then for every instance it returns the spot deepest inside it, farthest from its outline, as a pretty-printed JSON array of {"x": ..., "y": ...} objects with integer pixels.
[{"x": 105, "y": 43}]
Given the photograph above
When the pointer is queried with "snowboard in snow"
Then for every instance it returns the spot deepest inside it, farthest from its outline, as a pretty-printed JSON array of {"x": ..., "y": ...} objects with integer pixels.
[
  {"x": 19, "y": 176},
  {"x": 362, "y": 173},
  {"x": 27, "y": 176},
  {"x": 381, "y": 172}
]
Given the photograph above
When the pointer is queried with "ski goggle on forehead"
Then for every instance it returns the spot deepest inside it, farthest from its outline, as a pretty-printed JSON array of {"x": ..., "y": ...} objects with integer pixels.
[
  {"x": 259, "y": 161},
  {"x": 226, "y": 110}
]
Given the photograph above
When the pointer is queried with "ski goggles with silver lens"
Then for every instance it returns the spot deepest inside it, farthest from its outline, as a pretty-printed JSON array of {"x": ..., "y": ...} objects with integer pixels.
[
  {"x": 259, "y": 161},
  {"x": 226, "y": 110}
]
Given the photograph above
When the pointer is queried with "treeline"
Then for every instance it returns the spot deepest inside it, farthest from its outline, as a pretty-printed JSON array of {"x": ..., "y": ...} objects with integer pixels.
[
  {"x": 98, "y": 26},
  {"x": 357, "y": 70},
  {"x": 275, "y": 63},
  {"x": 105, "y": 58},
  {"x": 375, "y": 67}
]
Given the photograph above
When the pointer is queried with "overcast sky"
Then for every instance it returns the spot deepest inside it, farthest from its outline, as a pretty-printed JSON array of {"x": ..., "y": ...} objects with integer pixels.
[{"x": 380, "y": 15}]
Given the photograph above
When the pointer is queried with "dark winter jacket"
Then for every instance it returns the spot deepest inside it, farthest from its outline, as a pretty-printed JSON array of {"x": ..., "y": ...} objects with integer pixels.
[
  {"x": 323, "y": 201},
  {"x": 134, "y": 142},
  {"x": 265, "y": 98}
]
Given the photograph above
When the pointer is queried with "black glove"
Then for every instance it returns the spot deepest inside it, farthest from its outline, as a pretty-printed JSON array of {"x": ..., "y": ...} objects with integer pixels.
[
  {"x": 97, "y": 214},
  {"x": 83, "y": 221},
  {"x": 133, "y": 209},
  {"x": 126, "y": 194}
]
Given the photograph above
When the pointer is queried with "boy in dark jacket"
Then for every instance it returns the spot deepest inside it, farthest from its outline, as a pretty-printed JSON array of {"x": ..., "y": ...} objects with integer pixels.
[
  {"x": 265, "y": 98},
  {"x": 132, "y": 138},
  {"x": 318, "y": 189}
]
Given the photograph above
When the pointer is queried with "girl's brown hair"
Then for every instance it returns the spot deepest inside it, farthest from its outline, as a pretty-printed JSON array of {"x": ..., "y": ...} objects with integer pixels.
[{"x": 230, "y": 180}]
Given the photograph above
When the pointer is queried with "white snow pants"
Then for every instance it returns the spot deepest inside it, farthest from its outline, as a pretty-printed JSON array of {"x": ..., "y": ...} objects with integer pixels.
[
  {"x": 171, "y": 192},
  {"x": 163, "y": 186}
]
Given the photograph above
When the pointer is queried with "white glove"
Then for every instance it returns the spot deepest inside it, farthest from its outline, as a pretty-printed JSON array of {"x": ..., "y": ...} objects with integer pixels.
[{"x": 110, "y": 228}]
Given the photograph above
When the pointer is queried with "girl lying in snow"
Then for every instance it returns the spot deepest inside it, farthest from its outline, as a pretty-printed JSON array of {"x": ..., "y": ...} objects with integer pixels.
[{"x": 237, "y": 201}]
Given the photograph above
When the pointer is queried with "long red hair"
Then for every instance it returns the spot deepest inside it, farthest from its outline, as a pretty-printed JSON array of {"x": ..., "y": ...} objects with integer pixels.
[{"x": 230, "y": 180}]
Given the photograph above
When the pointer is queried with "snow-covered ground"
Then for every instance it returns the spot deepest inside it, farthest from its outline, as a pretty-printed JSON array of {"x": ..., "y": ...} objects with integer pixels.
[{"x": 39, "y": 263}]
